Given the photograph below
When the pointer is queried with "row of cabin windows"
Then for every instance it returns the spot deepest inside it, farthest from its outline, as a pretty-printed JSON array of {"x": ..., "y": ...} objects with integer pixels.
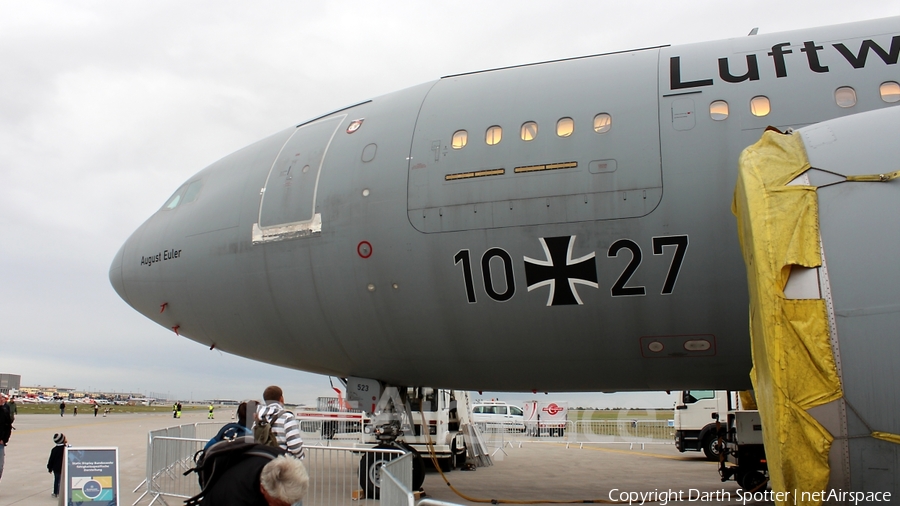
[
  {"x": 565, "y": 127},
  {"x": 845, "y": 96}
]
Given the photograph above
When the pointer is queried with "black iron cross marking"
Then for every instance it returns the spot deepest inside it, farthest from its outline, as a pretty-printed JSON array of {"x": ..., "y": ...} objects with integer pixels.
[{"x": 560, "y": 271}]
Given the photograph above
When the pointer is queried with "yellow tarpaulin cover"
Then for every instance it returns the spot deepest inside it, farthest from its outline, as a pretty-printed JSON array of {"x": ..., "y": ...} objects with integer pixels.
[{"x": 793, "y": 363}]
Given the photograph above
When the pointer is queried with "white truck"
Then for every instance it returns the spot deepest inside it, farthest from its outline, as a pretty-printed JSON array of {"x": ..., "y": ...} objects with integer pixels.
[
  {"x": 713, "y": 421},
  {"x": 695, "y": 426},
  {"x": 546, "y": 419}
]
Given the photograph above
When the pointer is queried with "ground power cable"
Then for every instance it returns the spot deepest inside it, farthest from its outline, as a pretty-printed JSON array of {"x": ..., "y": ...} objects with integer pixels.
[{"x": 434, "y": 460}]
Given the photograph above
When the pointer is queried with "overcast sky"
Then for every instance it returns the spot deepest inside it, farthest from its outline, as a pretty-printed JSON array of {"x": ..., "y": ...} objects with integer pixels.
[{"x": 107, "y": 107}]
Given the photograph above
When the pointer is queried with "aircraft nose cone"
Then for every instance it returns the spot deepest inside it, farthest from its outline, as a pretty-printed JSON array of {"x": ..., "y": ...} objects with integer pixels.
[{"x": 115, "y": 275}]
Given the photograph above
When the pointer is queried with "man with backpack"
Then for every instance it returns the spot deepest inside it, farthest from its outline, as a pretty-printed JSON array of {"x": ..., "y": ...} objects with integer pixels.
[
  {"x": 282, "y": 424},
  {"x": 240, "y": 473}
]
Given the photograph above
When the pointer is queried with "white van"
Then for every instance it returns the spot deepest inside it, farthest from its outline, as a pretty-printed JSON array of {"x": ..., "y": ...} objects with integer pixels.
[{"x": 498, "y": 415}]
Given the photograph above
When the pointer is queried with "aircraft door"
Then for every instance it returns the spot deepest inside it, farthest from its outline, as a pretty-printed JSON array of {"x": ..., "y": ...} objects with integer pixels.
[{"x": 287, "y": 206}]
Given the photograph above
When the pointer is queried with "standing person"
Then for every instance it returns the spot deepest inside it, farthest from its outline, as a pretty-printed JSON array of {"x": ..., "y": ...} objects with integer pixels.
[
  {"x": 210, "y": 417},
  {"x": 96, "y": 409},
  {"x": 6, "y": 421},
  {"x": 12, "y": 407},
  {"x": 178, "y": 405},
  {"x": 175, "y": 410},
  {"x": 259, "y": 481},
  {"x": 284, "y": 425},
  {"x": 75, "y": 410},
  {"x": 62, "y": 408},
  {"x": 55, "y": 462}
]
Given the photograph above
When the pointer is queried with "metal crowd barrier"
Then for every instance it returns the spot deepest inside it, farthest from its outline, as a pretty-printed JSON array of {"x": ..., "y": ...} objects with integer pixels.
[
  {"x": 317, "y": 431},
  {"x": 170, "y": 458},
  {"x": 624, "y": 430},
  {"x": 632, "y": 432},
  {"x": 396, "y": 491},
  {"x": 341, "y": 475},
  {"x": 338, "y": 475},
  {"x": 163, "y": 460},
  {"x": 396, "y": 481}
]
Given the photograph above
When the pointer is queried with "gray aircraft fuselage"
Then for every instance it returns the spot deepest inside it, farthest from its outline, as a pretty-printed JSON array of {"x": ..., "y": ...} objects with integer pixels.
[{"x": 577, "y": 237}]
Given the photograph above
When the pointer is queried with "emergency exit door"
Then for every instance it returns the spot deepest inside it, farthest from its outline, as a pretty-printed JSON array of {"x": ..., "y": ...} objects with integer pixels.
[{"x": 287, "y": 207}]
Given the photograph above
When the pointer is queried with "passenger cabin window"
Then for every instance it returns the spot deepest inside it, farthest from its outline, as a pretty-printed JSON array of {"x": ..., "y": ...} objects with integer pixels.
[
  {"x": 460, "y": 138},
  {"x": 718, "y": 110},
  {"x": 515, "y": 411},
  {"x": 602, "y": 123},
  {"x": 890, "y": 92},
  {"x": 845, "y": 96},
  {"x": 478, "y": 409},
  {"x": 529, "y": 131},
  {"x": 759, "y": 106},
  {"x": 493, "y": 135},
  {"x": 565, "y": 127}
]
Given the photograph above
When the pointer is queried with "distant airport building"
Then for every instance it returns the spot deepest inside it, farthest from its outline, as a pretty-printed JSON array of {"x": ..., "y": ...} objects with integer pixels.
[
  {"x": 53, "y": 392},
  {"x": 224, "y": 402},
  {"x": 75, "y": 394},
  {"x": 9, "y": 382}
]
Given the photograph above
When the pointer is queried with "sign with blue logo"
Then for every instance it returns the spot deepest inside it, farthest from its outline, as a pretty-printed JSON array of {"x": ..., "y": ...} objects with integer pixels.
[{"x": 91, "y": 477}]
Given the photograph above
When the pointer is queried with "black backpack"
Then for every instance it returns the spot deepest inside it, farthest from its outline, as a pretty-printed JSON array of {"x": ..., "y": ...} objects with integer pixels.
[{"x": 211, "y": 463}]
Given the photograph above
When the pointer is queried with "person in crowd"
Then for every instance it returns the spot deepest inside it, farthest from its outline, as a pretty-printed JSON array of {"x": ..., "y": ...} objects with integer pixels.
[
  {"x": 283, "y": 424},
  {"x": 6, "y": 428},
  {"x": 55, "y": 462},
  {"x": 260, "y": 481},
  {"x": 62, "y": 408}
]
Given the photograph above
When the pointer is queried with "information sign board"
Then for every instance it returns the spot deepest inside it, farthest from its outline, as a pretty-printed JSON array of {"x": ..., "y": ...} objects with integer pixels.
[{"x": 91, "y": 477}]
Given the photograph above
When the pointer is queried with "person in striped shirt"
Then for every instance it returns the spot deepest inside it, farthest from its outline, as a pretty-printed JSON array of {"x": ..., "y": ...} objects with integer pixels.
[{"x": 284, "y": 425}]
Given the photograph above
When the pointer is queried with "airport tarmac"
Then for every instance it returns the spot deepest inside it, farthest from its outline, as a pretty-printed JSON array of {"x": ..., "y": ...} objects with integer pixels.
[
  {"x": 598, "y": 473},
  {"x": 25, "y": 478},
  {"x": 534, "y": 471}
]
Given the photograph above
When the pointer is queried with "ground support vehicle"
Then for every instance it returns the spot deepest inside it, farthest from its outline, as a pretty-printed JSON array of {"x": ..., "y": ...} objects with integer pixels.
[
  {"x": 712, "y": 421},
  {"x": 497, "y": 416},
  {"x": 546, "y": 419},
  {"x": 695, "y": 425},
  {"x": 743, "y": 447},
  {"x": 425, "y": 421}
]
